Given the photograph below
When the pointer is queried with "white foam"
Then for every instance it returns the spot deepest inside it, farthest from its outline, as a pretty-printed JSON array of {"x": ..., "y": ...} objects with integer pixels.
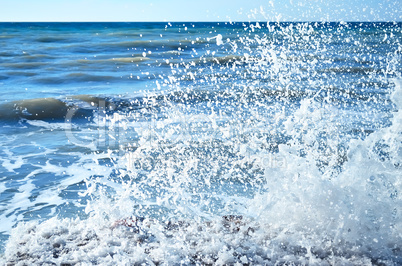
[
  {"x": 308, "y": 191},
  {"x": 396, "y": 96},
  {"x": 11, "y": 164}
]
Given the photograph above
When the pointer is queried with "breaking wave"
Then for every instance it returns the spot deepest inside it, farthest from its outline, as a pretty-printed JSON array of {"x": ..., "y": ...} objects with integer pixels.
[{"x": 270, "y": 152}]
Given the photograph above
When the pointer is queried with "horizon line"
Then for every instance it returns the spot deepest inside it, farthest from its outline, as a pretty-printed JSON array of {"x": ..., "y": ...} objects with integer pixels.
[{"x": 205, "y": 21}]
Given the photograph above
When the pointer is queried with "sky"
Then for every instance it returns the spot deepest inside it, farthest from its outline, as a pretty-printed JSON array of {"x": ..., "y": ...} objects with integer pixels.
[{"x": 204, "y": 10}]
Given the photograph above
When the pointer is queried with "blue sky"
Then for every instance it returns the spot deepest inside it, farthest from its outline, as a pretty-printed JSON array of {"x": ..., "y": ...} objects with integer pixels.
[{"x": 205, "y": 10}]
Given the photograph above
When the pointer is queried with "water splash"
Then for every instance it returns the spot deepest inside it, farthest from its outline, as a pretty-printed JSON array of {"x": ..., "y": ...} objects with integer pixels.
[{"x": 287, "y": 151}]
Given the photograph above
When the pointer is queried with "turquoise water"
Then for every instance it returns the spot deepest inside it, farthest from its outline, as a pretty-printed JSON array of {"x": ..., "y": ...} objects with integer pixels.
[
  {"x": 58, "y": 59},
  {"x": 205, "y": 143}
]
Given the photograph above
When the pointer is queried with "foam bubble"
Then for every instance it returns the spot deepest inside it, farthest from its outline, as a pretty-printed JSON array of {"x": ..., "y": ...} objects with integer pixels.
[{"x": 278, "y": 159}]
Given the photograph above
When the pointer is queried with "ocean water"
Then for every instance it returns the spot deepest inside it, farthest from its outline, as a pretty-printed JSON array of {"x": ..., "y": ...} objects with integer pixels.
[{"x": 201, "y": 143}]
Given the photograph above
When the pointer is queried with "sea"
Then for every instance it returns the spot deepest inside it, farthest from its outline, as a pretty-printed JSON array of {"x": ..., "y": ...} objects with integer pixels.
[{"x": 219, "y": 143}]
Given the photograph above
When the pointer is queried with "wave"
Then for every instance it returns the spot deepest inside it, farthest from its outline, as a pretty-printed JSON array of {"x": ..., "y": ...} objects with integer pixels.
[
  {"x": 8, "y": 54},
  {"x": 56, "y": 109},
  {"x": 39, "y": 109},
  {"x": 37, "y": 56},
  {"x": 76, "y": 77},
  {"x": 47, "y": 109},
  {"x": 262, "y": 155},
  {"x": 239, "y": 201},
  {"x": 26, "y": 65},
  {"x": 52, "y": 39},
  {"x": 133, "y": 59},
  {"x": 80, "y": 106},
  {"x": 129, "y": 59},
  {"x": 9, "y": 36},
  {"x": 170, "y": 44},
  {"x": 21, "y": 73},
  {"x": 229, "y": 240},
  {"x": 102, "y": 63},
  {"x": 88, "y": 77}
]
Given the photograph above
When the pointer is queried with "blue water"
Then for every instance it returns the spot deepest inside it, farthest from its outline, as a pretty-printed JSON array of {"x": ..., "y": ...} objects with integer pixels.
[
  {"x": 201, "y": 143},
  {"x": 94, "y": 58}
]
